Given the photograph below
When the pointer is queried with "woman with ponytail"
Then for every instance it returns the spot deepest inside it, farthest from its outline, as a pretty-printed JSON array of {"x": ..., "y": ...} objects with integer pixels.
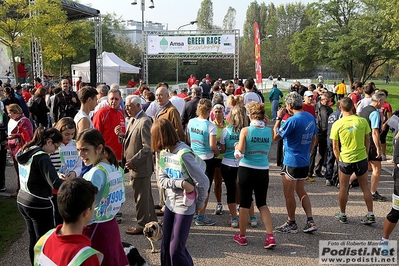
[
  {"x": 37, "y": 177},
  {"x": 108, "y": 177}
]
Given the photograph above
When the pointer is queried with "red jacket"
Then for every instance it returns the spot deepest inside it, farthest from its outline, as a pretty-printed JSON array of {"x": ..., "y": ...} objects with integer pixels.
[
  {"x": 105, "y": 120},
  {"x": 21, "y": 70}
]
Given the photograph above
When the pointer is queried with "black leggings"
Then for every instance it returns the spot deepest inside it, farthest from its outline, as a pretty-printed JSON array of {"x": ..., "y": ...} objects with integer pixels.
[
  {"x": 249, "y": 180},
  {"x": 229, "y": 174},
  {"x": 383, "y": 135},
  {"x": 38, "y": 222},
  {"x": 210, "y": 171}
]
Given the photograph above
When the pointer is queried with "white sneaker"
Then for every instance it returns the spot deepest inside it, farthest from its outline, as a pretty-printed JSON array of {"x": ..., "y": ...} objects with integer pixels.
[
  {"x": 234, "y": 222},
  {"x": 253, "y": 222}
]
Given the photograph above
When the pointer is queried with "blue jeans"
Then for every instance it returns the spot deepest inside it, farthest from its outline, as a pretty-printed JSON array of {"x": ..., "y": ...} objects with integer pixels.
[
  {"x": 275, "y": 108},
  {"x": 176, "y": 228},
  {"x": 21, "y": 80}
]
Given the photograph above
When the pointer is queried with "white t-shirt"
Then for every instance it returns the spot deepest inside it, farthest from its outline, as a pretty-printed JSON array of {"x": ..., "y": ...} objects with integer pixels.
[
  {"x": 178, "y": 103},
  {"x": 362, "y": 104},
  {"x": 251, "y": 96},
  {"x": 152, "y": 109},
  {"x": 81, "y": 114}
]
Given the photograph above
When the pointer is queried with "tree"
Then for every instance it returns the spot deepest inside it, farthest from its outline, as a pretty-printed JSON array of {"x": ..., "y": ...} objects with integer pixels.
[
  {"x": 17, "y": 26},
  {"x": 247, "y": 50},
  {"x": 390, "y": 13},
  {"x": 348, "y": 35},
  {"x": 13, "y": 21},
  {"x": 281, "y": 22},
  {"x": 205, "y": 15},
  {"x": 229, "y": 21}
]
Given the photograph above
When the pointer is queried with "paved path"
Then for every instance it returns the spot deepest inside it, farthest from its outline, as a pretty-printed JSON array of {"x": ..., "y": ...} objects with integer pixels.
[{"x": 215, "y": 246}]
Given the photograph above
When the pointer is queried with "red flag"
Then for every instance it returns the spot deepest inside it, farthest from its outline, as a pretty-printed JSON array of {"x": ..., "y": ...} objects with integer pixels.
[{"x": 258, "y": 63}]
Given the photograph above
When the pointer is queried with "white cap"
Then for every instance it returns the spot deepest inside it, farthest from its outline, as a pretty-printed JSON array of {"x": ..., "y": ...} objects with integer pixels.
[{"x": 308, "y": 93}]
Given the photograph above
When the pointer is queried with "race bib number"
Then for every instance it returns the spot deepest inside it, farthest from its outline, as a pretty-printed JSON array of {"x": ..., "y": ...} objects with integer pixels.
[
  {"x": 69, "y": 156},
  {"x": 395, "y": 202},
  {"x": 112, "y": 201}
]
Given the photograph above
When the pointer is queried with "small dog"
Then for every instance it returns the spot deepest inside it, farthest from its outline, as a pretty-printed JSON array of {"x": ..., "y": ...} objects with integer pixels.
[
  {"x": 153, "y": 232},
  {"x": 133, "y": 255}
]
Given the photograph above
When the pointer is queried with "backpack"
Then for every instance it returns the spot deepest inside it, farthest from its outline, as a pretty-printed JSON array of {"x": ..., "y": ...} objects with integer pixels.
[
  {"x": 33, "y": 108},
  {"x": 260, "y": 95}
]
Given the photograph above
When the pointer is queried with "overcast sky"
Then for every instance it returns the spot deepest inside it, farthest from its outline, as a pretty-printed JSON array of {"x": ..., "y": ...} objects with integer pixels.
[{"x": 176, "y": 13}]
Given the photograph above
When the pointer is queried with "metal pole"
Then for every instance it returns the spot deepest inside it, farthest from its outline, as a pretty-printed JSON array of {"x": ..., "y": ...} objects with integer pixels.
[
  {"x": 177, "y": 70},
  {"x": 143, "y": 77},
  {"x": 177, "y": 59}
]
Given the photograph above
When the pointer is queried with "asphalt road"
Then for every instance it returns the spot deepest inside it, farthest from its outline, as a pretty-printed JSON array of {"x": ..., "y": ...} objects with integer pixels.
[{"x": 214, "y": 245}]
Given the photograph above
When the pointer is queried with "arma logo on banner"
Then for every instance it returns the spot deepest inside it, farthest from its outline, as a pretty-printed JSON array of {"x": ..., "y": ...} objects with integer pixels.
[
  {"x": 365, "y": 252},
  {"x": 258, "y": 62}
]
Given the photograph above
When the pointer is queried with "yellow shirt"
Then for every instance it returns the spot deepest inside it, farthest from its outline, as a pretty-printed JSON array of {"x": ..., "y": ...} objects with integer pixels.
[
  {"x": 341, "y": 88},
  {"x": 350, "y": 131}
]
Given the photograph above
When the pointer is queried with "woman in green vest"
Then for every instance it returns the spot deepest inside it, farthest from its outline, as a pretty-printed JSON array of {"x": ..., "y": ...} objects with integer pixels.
[{"x": 107, "y": 176}]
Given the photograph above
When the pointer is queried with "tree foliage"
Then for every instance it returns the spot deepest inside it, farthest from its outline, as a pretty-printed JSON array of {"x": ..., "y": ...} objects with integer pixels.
[
  {"x": 72, "y": 41},
  {"x": 229, "y": 20},
  {"x": 281, "y": 22},
  {"x": 349, "y": 35},
  {"x": 21, "y": 21},
  {"x": 205, "y": 15}
]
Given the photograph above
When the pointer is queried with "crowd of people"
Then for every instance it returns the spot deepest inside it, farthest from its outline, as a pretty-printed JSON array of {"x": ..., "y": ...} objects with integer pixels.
[{"x": 218, "y": 132}]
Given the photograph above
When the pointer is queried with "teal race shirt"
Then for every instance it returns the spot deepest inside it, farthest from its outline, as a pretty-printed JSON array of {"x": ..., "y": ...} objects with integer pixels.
[
  {"x": 199, "y": 136},
  {"x": 257, "y": 148}
]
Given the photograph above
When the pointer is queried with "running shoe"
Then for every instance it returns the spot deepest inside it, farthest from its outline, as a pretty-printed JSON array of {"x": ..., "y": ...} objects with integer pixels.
[
  {"x": 219, "y": 209},
  {"x": 383, "y": 245},
  {"x": 309, "y": 179},
  {"x": 241, "y": 240},
  {"x": 368, "y": 219},
  {"x": 206, "y": 221},
  {"x": 329, "y": 183},
  {"x": 319, "y": 174},
  {"x": 342, "y": 218},
  {"x": 253, "y": 222},
  {"x": 287, "y": 228},
  {"x": 310, "y": 227},
  {"x": 270, "y": 242},
  {"x": 2, "y": 189},
  {"x": 234, "y": 222},
  {"x": 378, "y": 197}
]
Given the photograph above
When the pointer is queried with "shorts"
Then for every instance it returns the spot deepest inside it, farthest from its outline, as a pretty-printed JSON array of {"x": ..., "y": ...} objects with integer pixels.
[
  {"x": 373, "y": 154},
  {"x": 295, "y": 173},
  {"x": 218, "y": 162},
  {"x": 359, "y": 168}
]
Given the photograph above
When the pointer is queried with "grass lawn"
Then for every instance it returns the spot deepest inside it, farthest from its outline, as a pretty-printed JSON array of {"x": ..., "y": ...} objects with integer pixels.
[{"x": 11, "y": 223}]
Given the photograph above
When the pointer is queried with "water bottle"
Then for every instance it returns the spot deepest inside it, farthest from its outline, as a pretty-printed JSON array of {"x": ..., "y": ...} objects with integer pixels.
[{"x": 189, "y": 198}]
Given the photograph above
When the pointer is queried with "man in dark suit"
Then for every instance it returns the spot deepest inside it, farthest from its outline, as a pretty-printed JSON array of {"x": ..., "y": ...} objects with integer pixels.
[
  {"x": 190, "y": 107},
  {"x": 138, "y": 155}
]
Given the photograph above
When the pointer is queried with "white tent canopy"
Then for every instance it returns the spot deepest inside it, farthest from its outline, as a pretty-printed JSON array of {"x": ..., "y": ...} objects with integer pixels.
[{"x": 112, "y": 67}]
